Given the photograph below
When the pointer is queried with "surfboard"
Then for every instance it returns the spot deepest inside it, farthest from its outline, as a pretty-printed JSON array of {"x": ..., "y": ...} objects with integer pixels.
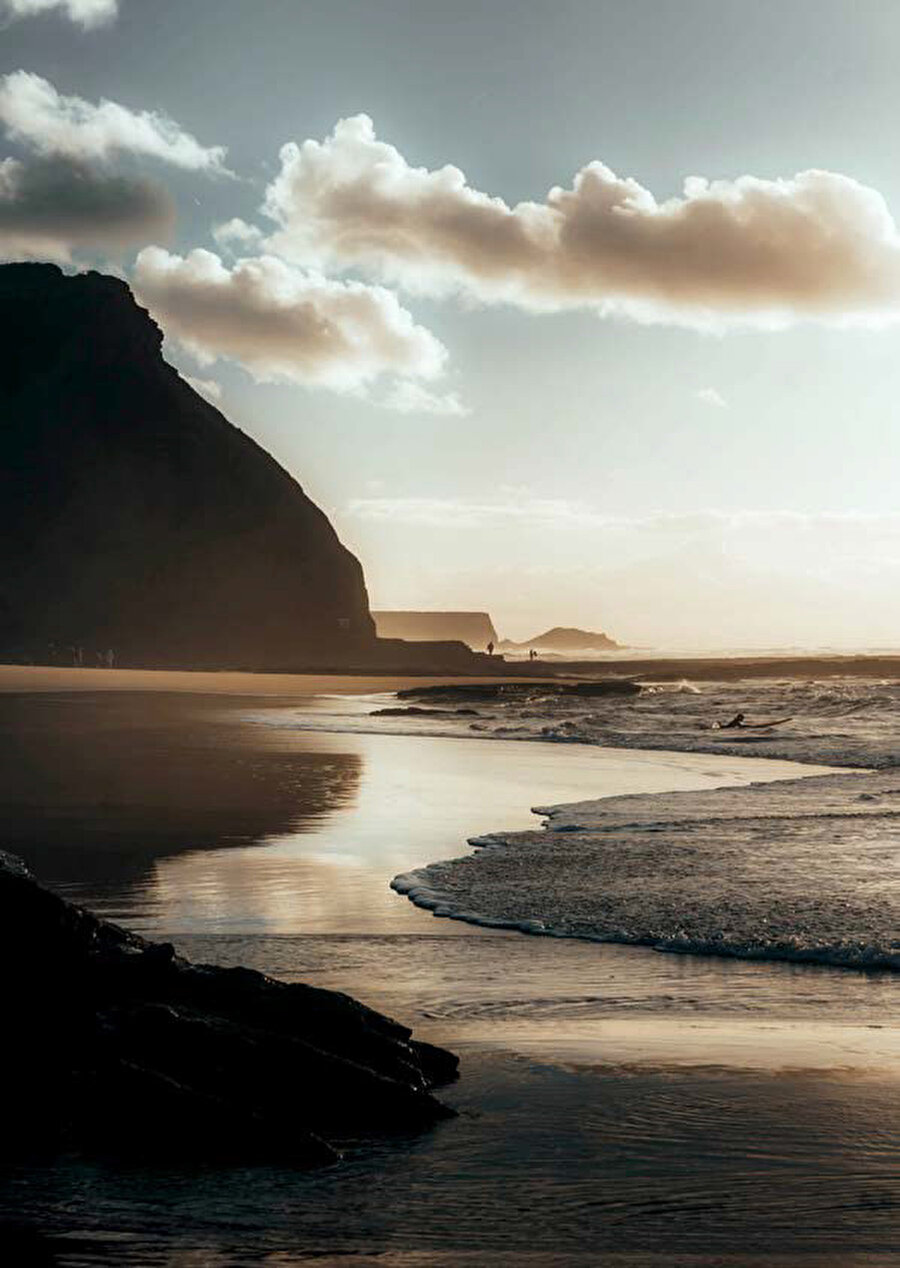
[{"x": 748, "y": 726}]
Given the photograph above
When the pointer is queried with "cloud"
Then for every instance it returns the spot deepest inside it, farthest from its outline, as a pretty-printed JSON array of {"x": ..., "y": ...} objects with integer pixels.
[
  {"x": 407, "y": 397},
  {"x": 209, "y": 389},
  {"x": 283, "y": 323},
  {"x": 817, "y": 246},
  {"x": 237, "y": 231},
  {"x": 709, "y": 396},
  {"x": 468, "y": 513},
  {"x": 86, "y": 13},
  {"x": 48, "y": 209},
  {"x": 36, "y": 115},
  {"x": 519, "y": 509}
]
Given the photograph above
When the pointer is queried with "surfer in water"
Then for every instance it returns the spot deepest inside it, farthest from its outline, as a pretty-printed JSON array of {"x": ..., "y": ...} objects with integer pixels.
[{"x": 739, "y": 723}]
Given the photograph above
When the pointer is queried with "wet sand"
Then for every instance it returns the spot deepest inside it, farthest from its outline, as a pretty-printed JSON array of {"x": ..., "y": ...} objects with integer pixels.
[
  {"x": 175, "y": 812},
  {"x": 614, "y": 1102},
  {"x": 40, "y": 678}
]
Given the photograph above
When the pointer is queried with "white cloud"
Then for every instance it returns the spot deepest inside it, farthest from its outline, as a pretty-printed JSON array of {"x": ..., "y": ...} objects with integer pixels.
[
  {"x": 35, "y": 114},
  {"x": 209, "y": 389},
  {"x": 466, "y": 513},
  {"x": 709, "y": 396},
  {"x": 817, "y": 246},
  {"x": 407, "y": 397},
  {"x": 283, "y": 323},
  {"x": 50, "y": 208},
  {"x": 520, "y": 509},
  {"x": 85, "y": 13},
  {"x": 237, "y": 231}
]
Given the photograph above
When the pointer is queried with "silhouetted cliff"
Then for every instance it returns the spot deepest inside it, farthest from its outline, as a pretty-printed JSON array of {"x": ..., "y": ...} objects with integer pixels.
[
  {"x": 135, "y": 517},
  {"x": 475, "y": 629}
]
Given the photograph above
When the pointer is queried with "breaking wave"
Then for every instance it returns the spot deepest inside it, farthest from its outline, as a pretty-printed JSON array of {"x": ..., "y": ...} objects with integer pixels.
[
  {"x": 847, "y": 722},
  {"x": 800, "y": 870}
]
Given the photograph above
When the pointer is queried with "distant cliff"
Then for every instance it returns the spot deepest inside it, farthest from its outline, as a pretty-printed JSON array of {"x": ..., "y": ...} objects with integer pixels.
[
  {"x": 564, "y": 642},
  {"x": 475, "y": 629},
  {"x": 134, "y": 517}
]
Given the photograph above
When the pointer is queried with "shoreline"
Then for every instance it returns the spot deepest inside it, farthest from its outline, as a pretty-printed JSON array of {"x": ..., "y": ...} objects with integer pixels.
[
  {"x": 685, "y": 923},
  {"x": 601, "y": 1008},
  {"x": 42, "y": 678},
  {"x": 28, "y": 679},
  {"x": 415, "y": 886},
  {"x": 435, "y": 886},
  {"x": 740, "y": 909},
  {"x": 624, "y": 1066},
  {"x": 328, "y": 879}
]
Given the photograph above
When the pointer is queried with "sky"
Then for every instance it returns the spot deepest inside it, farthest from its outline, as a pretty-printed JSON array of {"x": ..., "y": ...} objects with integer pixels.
[{"x": 583, "y": 314}]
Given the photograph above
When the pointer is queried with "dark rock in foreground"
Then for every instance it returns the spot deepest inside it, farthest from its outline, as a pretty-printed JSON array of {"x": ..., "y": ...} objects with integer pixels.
[{"x": 117, "y": 1045}]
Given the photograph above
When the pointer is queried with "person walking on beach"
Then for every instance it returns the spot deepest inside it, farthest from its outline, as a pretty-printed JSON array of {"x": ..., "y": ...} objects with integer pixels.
[{"x": 490, "y": 649}]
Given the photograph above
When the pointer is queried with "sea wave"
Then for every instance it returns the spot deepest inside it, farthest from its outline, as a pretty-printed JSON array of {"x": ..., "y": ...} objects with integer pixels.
[
  {"x": 801, "y": 870},
  {"x": 840, "y": 722},
  {"x": 848, "y": 722},
  {"x": 804, "y": 870}
]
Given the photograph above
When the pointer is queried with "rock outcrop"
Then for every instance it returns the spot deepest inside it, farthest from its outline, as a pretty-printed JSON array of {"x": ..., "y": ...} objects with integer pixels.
[
  {"x": 564, "y": 642},
  {"x": 134, "y": 517},
  {"x": 475, "y": 629},
  {"x": 515, "y": 692},
  {"x": 113, "y": 1044}
]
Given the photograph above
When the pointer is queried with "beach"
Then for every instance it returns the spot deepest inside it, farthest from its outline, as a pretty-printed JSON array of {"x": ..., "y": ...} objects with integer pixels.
[
  {"x": 33, "y": 678},
  {"x": 652, "y": 1108}
]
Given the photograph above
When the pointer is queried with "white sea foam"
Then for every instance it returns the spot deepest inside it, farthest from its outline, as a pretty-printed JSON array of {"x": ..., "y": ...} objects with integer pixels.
[{"x": 802, "y": 870}]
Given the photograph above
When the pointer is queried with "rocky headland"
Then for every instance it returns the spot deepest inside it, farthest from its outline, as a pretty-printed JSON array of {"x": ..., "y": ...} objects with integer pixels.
[
  {"x": 138, "y": 526},
  {"x": 561, "y": 641},
  {"x": 475, "y": 629}
]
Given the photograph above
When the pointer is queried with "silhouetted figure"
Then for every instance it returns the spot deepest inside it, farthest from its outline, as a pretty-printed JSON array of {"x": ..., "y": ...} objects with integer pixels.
[
  {"x": 736, "y": 721},
  {"x": 532, "y": 654},
  {"x": 490, "y": 649}
]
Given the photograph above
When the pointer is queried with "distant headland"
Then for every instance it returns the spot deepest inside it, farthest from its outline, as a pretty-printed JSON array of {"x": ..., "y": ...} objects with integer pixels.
[
  {"x": 475, "y": 629},
  {"x": 562, "y": 641}
]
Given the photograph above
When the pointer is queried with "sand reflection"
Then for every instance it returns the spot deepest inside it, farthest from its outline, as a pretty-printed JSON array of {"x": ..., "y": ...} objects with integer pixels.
[{"x": 97, "y": 789}]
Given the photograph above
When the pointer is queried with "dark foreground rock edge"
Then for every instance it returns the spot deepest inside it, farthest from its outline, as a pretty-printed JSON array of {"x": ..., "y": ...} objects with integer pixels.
[{"x": 117, "y": 1046}]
